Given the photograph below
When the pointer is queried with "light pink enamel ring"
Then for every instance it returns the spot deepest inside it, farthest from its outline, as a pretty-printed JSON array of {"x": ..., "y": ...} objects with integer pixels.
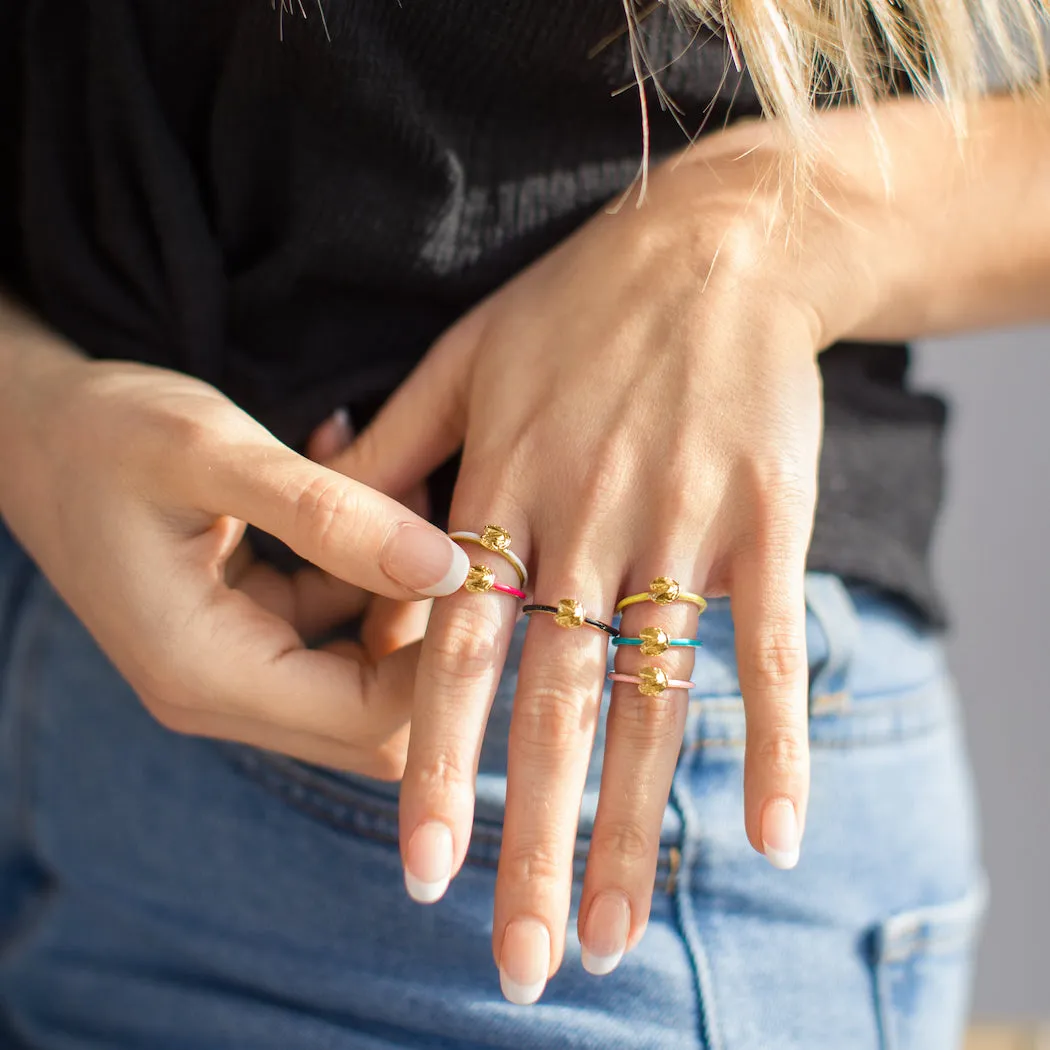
[{"x": 651, "y": 681}]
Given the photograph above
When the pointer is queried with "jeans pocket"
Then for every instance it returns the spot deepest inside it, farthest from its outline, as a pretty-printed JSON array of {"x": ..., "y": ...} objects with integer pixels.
[{"x": 923, "y": 962}]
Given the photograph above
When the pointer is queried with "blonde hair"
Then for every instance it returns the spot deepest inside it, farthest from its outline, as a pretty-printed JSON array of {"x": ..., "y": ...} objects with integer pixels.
[{"x": 802, "y": 54}]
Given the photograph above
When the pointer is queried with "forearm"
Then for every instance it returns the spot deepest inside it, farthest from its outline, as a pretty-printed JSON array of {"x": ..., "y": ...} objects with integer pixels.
[
  {"x": 938, "y": 235},
  {"x": 963, "y": 239},
  {"x": 30, "y": 354}
]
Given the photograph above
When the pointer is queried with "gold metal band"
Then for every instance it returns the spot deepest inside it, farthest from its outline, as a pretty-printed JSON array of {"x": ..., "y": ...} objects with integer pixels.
[
  {"x": 663, "y": 591},
  {"x": 495, "y": 538}
]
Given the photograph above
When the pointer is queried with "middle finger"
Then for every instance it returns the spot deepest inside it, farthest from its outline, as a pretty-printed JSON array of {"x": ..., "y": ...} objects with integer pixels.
[
  {"x": 560, "y": 683},
  {"x": 643, "y": 738}
]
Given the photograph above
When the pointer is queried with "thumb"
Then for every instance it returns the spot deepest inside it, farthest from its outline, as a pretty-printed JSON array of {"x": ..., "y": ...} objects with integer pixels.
[
  {"x": 423, "y": 422},
  {"x": 340, "y": 525}
]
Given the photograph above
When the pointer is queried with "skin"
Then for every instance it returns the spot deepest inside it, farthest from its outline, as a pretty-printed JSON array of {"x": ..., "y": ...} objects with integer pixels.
[
  {"x": 644, "y": 400},
  {"x": 131, "y": 487}
]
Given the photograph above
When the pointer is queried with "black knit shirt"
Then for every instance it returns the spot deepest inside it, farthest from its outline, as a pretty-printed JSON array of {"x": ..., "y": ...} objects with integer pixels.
[{"x": 293, "y": 202}]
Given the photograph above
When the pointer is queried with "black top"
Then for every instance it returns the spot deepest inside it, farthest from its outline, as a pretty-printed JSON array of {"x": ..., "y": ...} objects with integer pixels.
[{"x": 293, "y": 207}]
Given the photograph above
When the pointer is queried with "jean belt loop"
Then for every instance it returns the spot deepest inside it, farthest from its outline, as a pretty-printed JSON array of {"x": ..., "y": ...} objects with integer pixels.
[{"x": 830, "y": 604}]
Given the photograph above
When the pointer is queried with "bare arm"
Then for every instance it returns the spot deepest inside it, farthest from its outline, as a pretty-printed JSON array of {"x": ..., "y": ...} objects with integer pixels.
[{"x": 936, "y": 236}]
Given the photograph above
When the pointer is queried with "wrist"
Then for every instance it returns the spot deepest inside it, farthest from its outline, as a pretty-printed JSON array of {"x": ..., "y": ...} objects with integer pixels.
[
  {"x": 33, "y": 360},
  {"x": 806, "y": 240}
]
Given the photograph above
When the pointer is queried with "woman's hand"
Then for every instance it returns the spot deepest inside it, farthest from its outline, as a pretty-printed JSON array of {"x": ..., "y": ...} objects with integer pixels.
[
  {"x": 131, "y": 487},
  {"x": 644, "y": 401}
]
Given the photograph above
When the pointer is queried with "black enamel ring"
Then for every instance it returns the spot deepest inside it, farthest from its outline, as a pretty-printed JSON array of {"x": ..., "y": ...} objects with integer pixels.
[{"x": 568, "y": 613}]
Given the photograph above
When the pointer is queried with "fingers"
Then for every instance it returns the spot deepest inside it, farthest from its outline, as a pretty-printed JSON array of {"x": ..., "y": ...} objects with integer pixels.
[
  {"x": 331, "y": 437},
  {"x": 769, "y": 614},
  {"x": 313, "y": 602},
  {"x": 459, "y": 669},
  {"x": 552, "y": 729},
  {"x": 340, "y": 525},
  {"x": 643, "y": 738},
  {"x": 389, "y": 625},
  {"x": 423, "y": 422},
  {"x": 252, "y": 679}
]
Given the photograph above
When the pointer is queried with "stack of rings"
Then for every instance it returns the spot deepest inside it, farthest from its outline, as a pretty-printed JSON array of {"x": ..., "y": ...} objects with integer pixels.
[
  {"x": 653, "y": 641},
  {"x": 480, "y": 578}
]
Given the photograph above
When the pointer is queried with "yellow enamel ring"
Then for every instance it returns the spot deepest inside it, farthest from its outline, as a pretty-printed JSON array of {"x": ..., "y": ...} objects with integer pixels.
[
  {"x": 663, "y": 591},
  {"x": 495, "y": 538}
]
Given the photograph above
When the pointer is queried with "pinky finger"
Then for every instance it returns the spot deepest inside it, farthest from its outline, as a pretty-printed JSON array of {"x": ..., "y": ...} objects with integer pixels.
[{"x": 769, "y": 612}]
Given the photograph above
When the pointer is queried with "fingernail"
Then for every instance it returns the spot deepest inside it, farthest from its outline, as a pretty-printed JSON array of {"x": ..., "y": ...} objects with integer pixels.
[
  {"x": 424, "y": 560},
  {"x": 780, "y": 833},
  {"x": 428, "y": 862},
  {"x": 605, "y": 934},
  {"x": 524, "y": 961},
  {"x": 343, "y": 433}
]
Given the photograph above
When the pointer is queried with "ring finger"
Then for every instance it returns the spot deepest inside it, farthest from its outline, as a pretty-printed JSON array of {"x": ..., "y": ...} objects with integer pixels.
[{"x": 642, "y": 743}]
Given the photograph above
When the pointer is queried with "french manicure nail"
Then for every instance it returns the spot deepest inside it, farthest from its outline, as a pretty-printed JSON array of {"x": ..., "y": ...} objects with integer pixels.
[
  {"x": 605, "y": 933},
  {"x": 780, "y": 838},
  {"x": 428, "y": 862},
  {"x": 423, "y": 560},
  {"x": 524, "y": 961},
  {"x": 343, "y": 432}
]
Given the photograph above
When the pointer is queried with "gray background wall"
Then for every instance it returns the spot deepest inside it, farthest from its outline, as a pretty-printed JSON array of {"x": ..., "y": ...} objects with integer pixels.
[{"x": 992, "y": 558}]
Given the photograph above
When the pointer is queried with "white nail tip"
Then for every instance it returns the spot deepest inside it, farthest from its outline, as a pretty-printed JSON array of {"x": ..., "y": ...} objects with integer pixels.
[
  {"x": 454, "y": 578},
  {"x": 600, "y": 965},
  {"x": 520, "y": 994},
  {"x": 425, "y": 892},
  {"x": 785, "y": 860}
]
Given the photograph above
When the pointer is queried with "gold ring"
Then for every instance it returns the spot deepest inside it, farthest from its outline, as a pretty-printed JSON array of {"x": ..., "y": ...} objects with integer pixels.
[
  {"x": 663, "y": 591},
  {"x": 495, "y": 538}
]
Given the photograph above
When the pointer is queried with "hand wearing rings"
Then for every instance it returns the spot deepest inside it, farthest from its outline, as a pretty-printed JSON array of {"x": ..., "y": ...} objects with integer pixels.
[{"x": 619, "y": 438}]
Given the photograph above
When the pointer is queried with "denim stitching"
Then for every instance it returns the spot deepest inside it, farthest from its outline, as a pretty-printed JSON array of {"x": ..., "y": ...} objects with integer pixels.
[
  {"x": 922, "y": 703},
  {"x": 685, "y": 916},
  {"x": 316, "y": 800}
]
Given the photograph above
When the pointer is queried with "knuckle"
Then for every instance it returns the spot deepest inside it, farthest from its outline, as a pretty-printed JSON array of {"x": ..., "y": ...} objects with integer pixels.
[
  {"x": 446, "y": 774},
  {"x": 608, "y": 475},
  {"x": 680, "y": 503},
  {"x": 782, "y": 502},
  {"x": 779, "y": 660},
  {"x": 323, "y": 510},
  {"x": 468, "y": 646},
  {"x": 193, "y": 436},
  {"x": 555, "y": 714},
  {"x": 531, "y": 864},
  {"x": 648, "y": 720},
  {"x": 783, "y": 754},
  {"x": 784, "y": 491},
  {"x": 626, "y": 841}
]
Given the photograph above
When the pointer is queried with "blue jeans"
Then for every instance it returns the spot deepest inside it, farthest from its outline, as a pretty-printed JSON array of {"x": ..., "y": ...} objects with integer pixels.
[{"x": 170, "y": 893}]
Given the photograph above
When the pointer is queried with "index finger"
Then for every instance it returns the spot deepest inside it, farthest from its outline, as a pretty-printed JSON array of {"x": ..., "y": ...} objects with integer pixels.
[
  {"x": 459, "y": 670},
  {"x": 345, "y": 528}
]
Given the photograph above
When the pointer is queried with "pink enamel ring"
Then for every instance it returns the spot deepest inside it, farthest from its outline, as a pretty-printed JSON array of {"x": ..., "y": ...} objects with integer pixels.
[
  {"x": 481, "y": 579},
  {"x": 651, "y": 681}
]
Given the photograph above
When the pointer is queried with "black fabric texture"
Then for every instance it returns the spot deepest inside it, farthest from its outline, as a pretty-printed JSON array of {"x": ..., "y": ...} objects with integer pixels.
[{"x": 293, "y": 208}]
